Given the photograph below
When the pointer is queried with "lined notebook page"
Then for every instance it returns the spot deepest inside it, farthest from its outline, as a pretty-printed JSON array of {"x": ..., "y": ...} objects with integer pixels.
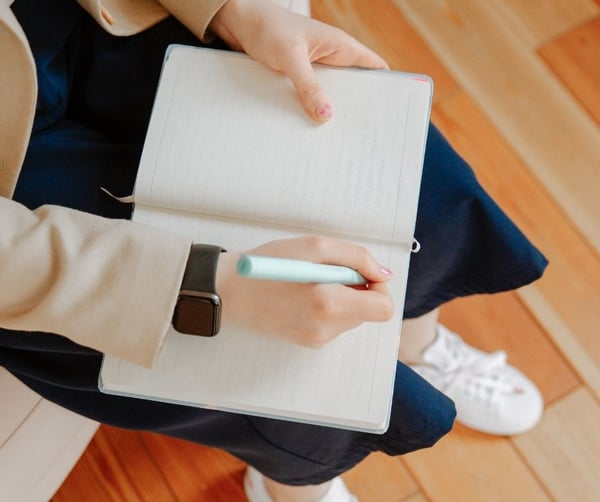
[
  {"x": 231, "y": 158},
  {"x": 230, "y": 139},
  {"x": 347, "y": 383}
]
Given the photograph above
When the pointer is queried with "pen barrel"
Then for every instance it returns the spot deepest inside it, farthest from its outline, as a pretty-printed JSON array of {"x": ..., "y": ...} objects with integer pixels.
[
  {"x": 336, "y": 273},
  {"x": 282, "y": 269}
]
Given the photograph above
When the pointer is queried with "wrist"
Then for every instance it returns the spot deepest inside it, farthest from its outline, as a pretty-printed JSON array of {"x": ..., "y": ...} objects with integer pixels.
[
  {"x": 221, "y": 23},
  {"x": 198, "y": 308},
  {"x": 237, "y": 22}
]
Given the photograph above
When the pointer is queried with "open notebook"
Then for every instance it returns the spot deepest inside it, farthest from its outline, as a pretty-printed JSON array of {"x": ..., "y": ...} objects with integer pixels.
[{"x": 231, "y": 158}]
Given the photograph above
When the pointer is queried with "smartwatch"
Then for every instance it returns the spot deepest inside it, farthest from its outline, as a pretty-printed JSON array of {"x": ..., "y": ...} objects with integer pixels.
[{"x": 198, "y": 308}]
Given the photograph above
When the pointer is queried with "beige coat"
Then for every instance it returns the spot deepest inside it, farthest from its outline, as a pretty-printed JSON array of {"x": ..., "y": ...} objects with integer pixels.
[{"x": 106, "y": 284}]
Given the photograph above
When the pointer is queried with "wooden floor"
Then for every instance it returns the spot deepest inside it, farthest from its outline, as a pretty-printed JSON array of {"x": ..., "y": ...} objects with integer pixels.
[{"x": 518, "y": 94}]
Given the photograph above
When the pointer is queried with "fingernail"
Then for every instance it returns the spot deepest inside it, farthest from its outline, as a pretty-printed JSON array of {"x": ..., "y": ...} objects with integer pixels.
[
  {"x": 385, "y": 271},
  {"x": 325, "y": 111}
]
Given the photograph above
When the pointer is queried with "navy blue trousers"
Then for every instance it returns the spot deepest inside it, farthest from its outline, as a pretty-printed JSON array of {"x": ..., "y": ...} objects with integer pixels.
[{"x": 94, "y": 102}]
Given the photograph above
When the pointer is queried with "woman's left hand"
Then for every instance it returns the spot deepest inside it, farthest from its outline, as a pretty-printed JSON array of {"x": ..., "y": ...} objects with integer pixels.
[{"x": 289, "y": 42}]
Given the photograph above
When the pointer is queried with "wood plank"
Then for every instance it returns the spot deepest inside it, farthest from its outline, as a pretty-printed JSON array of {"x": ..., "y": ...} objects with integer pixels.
[
  {"x": 379, "y": 25},
  {"x": 417, "y": 497},
  {"x": 85, "y": 478},
  {"x": 380, "y": 478},
  {"x": 564, "y": 449},
  {"x": 569, "y": 288},
  {"x": 116, "y": 466},
  {"x": 469, "y": 466},
  {"x": 541, "y": 120},
  {"x": 195, "y": 472},
  {"x": 534, "y": 22},
  {"x": 563, "y": 336},
  {"x": 575, "y": 59}
]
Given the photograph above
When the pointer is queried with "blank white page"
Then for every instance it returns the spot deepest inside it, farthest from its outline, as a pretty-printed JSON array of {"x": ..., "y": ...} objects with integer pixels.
[{"x": 228, "y": 137}]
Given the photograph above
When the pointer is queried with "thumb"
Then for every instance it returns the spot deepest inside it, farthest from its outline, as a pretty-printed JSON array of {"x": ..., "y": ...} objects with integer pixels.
[{"x": 312, "y": 96}]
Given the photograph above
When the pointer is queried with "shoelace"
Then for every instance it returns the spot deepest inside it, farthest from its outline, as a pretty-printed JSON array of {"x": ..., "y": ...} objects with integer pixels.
[
  {"x": 480, "y": 379},
  {"x": 475, "y": 373}
]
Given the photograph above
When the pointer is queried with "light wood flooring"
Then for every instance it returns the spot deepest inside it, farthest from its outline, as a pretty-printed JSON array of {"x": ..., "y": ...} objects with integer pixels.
[{"x": 518, "y": 94}]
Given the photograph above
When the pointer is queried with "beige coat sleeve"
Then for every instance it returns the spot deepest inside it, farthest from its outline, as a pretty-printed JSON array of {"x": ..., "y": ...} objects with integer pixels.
[
  {"x": 194, "y": 14},
  {"x": 106, "y": 284},
  {"x": 126, "y": 17}
]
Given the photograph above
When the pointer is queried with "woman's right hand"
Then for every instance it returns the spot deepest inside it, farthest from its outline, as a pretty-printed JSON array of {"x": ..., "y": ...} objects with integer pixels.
[{"x": 306, "y": 314}]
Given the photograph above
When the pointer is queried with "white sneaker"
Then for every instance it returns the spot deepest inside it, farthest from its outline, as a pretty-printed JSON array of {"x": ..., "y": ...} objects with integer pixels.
[
  {"x": 254, "y": 486},
  {"x": 490, "y": 395}
]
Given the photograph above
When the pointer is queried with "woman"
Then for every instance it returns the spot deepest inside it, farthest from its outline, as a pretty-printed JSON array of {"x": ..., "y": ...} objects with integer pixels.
[{"x": 74, "y": 269}]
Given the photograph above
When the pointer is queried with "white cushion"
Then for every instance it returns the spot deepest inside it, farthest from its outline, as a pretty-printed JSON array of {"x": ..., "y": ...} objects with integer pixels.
[{"x": 40, "y": 442}]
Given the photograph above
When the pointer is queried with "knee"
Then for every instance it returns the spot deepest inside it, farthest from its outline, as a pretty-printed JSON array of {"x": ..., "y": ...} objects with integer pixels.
[
  {"x": 421, "y": 414},
  {"x": 440, "y": 424}
]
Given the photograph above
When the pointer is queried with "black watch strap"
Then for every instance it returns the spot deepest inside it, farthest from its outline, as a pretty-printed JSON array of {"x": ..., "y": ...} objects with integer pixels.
[{"x": 198, "y": 309}]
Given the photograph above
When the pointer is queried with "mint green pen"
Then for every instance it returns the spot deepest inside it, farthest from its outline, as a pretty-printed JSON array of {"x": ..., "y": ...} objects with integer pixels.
[{"x": 283, "y": 269}]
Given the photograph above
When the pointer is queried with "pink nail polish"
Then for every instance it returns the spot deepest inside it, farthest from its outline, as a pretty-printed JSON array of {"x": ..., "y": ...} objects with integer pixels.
[
  {"x": 325, "y": 111},
  {"x": 385, "y": 271}
]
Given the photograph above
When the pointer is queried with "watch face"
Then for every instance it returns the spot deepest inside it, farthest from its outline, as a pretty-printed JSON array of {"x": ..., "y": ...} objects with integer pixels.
[{"x": 198, "y": 315}]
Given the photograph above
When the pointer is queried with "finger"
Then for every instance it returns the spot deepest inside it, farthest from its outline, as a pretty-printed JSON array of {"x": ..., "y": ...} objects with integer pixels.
[
  {"x": 360, "y": 259},
  {"x": 374, "y": 304},
  {"x": 312, "y": 95},
  {"x": 367, "y": 266},
  {"x": 341, "y": 49},
  {"x": 341, "y": 252},
  {"x": 348, "y": 57},
  {"x": 327, "y": 250}
]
